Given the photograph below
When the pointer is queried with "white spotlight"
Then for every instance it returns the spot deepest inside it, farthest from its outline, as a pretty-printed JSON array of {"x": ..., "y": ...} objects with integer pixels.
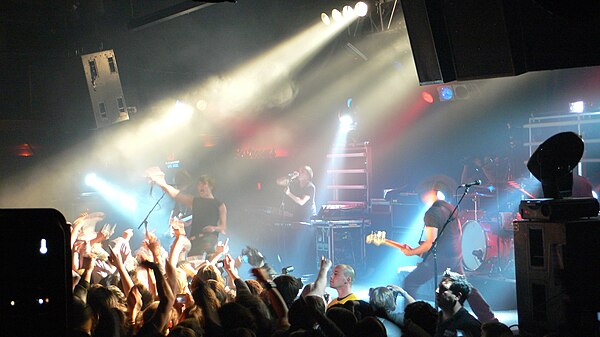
[
  {"x": 347, "y": 11},
  {"x": 183, "y": 109},
  {"x": 441, "y": 195},
  {"x": 346, "y": 120},
  {"x": 91, "y": 179},
  {"x": 336, "y": 15},
  {"x": 577, "y": 107},
  {"x": 325, "y": 19},
  {"x": 361, "y": 8}
]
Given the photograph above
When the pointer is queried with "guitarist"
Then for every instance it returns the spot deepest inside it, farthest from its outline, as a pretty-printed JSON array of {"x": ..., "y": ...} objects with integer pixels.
[
  {"x": 449, "y": 251},
  {"x": 209, "y": 214}
]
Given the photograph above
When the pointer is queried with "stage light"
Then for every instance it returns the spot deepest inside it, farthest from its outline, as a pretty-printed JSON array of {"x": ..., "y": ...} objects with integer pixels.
[
  {"x": 347, "y": 116},
  {"x": 325, "y": 19},
  {"x": 346, "y": 119},
  {"x": 181, "y": 113},
  {"x": 91, "y": 179},
  {"x": 577, "y": 107},
  {"x": 446, "y": 93},
  {"x": 347, "y": 11},
  {"x": 427, "y": 97},
  {"x": 361, "y": 8},
  {"x": 440, "y": 195},
  {"x": 461, "y": 91},
  {"x": 336, "y": 15}
]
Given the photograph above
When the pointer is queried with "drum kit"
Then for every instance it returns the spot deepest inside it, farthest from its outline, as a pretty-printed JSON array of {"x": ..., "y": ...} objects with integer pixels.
[{"x": 487, "y": 237}]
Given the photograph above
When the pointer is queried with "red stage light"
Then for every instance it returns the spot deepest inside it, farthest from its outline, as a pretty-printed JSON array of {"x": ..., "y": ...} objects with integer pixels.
[
  {"x": 427, "y": 97},
  {"x": 24, "y": 150}
]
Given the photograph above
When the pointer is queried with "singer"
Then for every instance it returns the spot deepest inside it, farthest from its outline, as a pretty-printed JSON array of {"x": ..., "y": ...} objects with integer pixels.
[
  {"x": 209, "y": 214},
  {"x": 299, "y": 199}
]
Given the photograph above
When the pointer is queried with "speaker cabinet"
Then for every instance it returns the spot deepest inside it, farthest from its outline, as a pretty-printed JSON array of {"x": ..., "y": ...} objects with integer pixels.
[
  {"x": 557, "y": 274},
  {"x": 429, "y": 41},
  {"x": 104, "y": 86},
  {"x": 474, "y": 39}
]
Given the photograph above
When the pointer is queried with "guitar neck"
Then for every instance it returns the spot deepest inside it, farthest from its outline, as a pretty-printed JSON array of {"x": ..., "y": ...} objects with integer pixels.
[{"x": 393, "y": 243}]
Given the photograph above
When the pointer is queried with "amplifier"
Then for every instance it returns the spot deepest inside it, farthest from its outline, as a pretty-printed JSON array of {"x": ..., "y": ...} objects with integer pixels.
[{"x": 558, "y": 209}]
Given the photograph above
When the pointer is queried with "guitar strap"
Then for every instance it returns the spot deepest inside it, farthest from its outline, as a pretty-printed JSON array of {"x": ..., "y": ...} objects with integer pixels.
[{"x": 448, "y": 207}]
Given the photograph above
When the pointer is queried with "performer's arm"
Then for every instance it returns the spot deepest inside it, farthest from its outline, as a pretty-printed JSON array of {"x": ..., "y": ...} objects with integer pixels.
[
  {"x": 158, "y": 177},
  {"x": 430, "y": 235},
  {"x": 299, "y": 200}
]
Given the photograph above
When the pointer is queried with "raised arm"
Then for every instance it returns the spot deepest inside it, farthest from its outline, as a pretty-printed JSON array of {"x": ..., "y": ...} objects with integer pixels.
[
  {"x": 229, "y": 266},
  {"x": 408, "y": 299},
  {"x": 300, "y": 200},
  {"x": 116, "y": 260},
  {"x": 157, "y": 176},
  {"x": 318, "y": 288},
  {"x": 165, "y": 297},
  {"x": 220, "y": 251},
  {"x": 275, "y": 298}
]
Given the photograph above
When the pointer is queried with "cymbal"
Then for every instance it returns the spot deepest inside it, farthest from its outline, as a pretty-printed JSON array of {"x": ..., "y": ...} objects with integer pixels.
[{"x": 479, "y": 194}]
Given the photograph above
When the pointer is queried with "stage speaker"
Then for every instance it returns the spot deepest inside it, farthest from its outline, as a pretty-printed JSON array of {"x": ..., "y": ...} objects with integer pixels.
[
  {"x": 36, "y": 291},
  {"x": 474, "y": 39},
  {"x": 429, "y": 41},
  {"x": 463, "y": 39},
  {"x": 557, "y": 274},
  {"x": 104, "y": 87}
]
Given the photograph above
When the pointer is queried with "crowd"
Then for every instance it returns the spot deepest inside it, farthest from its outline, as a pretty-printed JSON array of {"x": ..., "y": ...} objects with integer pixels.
[{"x": 156, "y": 291}]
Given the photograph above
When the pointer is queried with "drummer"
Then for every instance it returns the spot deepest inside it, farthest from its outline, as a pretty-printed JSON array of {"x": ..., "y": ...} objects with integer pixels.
[
  {"x": 491, "y": 195},
  {"x": 486, "y": 169}
]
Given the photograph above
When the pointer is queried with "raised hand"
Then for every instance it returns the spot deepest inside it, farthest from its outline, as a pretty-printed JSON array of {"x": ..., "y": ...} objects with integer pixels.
[
  {"x": 114, "y": 258},
  {"x": 261, "y": 275},
  {"x": 155, "y": 174},
  {"x": 222, "y": 248},
  {"x": 134, "y": 299},
  {"x": 149, "y": 265},
  {"x": 108, "y": 230},
  {"x": 325, "y": 263}
]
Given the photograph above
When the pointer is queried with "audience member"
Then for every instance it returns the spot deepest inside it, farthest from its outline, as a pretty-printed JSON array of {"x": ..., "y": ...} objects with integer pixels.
[{"x": 451, "y": 294}]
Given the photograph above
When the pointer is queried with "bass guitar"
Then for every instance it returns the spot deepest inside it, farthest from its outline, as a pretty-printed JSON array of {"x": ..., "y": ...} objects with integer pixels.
[{"x": 378, "y": 239}]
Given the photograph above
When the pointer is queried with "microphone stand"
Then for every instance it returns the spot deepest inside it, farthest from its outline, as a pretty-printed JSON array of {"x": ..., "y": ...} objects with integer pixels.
[
  {"x": 145, "y": 221},
  {"x": 433, "y": 249}
]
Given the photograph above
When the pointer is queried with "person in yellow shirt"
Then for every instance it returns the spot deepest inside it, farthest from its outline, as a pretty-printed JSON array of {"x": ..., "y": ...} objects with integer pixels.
[{"x": 341, "y": 280}]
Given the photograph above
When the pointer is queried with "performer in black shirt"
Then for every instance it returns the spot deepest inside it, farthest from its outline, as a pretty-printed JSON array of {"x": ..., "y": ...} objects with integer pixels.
[
  {"x": 299, "y": 194},
  {"x": 449, "y": 251},
  {"x": 209, "y": 214}
]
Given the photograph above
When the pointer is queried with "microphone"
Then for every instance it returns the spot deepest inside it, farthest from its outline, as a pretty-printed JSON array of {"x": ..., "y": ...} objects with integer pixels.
[
  {"x": 474, "y": 183},
  {"x": 293, "y": 175}
]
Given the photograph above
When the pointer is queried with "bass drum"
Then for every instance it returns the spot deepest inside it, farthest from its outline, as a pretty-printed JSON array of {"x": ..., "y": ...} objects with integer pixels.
[{"x": 479, "y": 244}]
